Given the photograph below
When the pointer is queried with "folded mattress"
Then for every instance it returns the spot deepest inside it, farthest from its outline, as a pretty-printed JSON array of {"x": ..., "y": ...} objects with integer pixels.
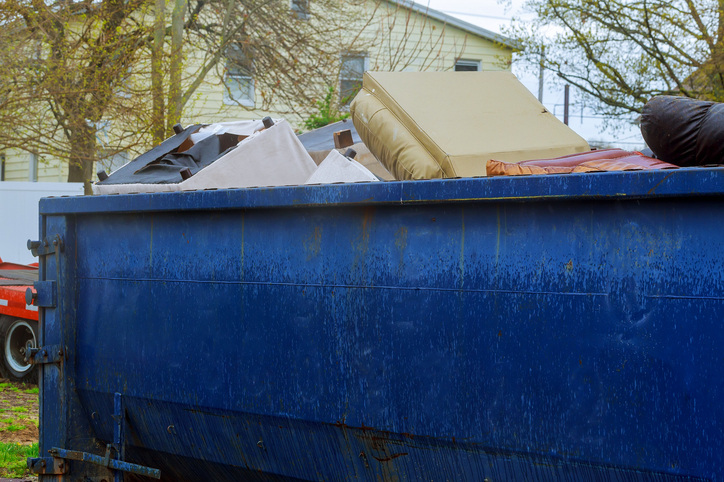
[{"x": 425, "y": 125}]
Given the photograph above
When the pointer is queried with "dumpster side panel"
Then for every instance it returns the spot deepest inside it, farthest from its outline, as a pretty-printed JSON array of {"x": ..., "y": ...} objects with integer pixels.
[
  {"x": 452, "y": 341},
  {"x": 61, "y": 413}
]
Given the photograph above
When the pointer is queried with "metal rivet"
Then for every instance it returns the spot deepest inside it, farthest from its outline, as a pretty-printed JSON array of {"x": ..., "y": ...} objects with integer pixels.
[
  {"x": 171, "y": 429},
  {"x": 260, "y": 444}
]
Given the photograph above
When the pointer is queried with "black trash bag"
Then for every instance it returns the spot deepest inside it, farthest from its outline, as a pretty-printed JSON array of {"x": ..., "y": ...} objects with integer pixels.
[{"x": 684, "y": 131}]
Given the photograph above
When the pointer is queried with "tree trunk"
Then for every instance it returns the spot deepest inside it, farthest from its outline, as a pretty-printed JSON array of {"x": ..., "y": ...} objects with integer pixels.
[
  {"x": 159, "y": 32},
  {"x": 176, "y": 63},
  {"x": 82, "y": 156}
]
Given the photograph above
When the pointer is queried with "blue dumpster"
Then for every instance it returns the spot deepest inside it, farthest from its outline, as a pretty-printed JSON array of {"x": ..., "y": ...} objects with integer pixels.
[{"x": 564, "y": 327}]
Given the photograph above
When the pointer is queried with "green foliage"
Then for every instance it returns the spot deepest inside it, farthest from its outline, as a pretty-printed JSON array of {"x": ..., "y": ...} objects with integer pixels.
[
  {"x": 12, "y": 459},
  {"x": 13, "y": 427},
  {"x": 32, "y": 390},
  {"x": 326, "y": 112},
  {"x": 19, "y": 409}
]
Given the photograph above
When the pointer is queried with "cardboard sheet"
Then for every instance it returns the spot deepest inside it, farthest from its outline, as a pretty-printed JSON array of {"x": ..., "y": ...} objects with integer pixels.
[{"x": 337, "y": 168}]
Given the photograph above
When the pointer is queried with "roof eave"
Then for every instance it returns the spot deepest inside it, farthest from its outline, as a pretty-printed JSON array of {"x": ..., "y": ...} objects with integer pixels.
[{"x": 461, "y": 24}]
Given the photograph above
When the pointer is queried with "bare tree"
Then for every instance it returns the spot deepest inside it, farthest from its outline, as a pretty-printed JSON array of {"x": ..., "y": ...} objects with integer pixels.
[
  {"x": 408, "y": 38},
  {"x": 293, "y": 56},
  {"x": 623, "y": 52},
  {"x": 62, "y": 65},
  {"x": 84, "y": 79}
]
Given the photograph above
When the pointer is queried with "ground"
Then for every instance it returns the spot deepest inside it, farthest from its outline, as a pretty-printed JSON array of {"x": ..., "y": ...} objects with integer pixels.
[
  {"x": 18, "y": 428},
  {"x": 18, "y": 413}
]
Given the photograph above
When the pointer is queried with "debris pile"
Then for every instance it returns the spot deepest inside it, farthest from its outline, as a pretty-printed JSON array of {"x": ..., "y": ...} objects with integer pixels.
[{"x": 410, "y": 126}]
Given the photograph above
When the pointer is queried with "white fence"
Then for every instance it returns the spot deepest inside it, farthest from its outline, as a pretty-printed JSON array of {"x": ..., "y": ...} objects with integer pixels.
[{"x": 19, "y": 214}]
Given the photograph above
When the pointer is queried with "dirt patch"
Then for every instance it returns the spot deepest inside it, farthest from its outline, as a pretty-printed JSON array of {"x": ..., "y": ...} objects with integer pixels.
[{"x": 18, "y": 412}]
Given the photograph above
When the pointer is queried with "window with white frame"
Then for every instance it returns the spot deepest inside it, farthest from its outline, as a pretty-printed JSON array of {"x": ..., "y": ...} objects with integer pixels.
[
  {"x": 110, "y": 160},
  {"x": 124, "y": 87},
  {"x": 300, "y": 8},
  {"x": 350, "y": 76},
  {"x": 238, "y": 77},
  {"x": 467, "y": 66}
]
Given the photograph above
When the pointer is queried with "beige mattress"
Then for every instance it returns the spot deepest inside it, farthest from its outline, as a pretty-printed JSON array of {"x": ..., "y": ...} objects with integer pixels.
[{"x": 425, "y": 125}]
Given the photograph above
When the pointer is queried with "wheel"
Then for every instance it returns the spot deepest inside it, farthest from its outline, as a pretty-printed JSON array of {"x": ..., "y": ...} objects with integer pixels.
[{"x": 16, "y": 336}]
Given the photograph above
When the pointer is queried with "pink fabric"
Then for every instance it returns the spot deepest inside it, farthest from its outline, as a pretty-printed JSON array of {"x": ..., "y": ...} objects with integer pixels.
[{"x": 593, "y": 161}]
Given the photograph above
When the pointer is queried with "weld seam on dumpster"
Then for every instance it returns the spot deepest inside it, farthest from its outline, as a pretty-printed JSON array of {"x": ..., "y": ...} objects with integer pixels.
[{"x": 345, "y": 286}]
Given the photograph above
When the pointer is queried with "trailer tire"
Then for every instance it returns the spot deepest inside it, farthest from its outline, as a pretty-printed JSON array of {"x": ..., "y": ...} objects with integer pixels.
[{"x": 15, "y": 335}]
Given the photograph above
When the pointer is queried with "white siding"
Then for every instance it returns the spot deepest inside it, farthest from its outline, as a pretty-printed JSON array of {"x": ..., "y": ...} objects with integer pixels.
[{"x": 19, "y": 214}]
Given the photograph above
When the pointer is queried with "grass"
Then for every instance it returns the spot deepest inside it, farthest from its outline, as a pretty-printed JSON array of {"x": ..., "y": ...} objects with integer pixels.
[
  {"x": 12, "y": 459},
  {"x": 12, "y": 428},
  {"x": 18, "y": 425}
]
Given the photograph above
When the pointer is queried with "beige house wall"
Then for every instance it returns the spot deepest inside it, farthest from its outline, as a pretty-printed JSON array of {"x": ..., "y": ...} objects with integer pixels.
[
  {"x": 421, "y": 36},
  {"x": 396, "y": 39},
  {"x": 19, "y": 167}
]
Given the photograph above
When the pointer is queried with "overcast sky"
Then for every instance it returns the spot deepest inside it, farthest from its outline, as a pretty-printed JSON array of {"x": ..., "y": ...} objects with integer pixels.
[{"x": 494, "y": 16}]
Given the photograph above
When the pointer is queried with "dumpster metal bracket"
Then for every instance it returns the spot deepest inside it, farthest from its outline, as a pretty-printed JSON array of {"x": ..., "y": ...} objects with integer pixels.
[
  {"x": 47, "y": 292},
  {"x": 105, "y": 461},
  {"x": 46, "y": 246},
  {"x": 47, "y": 465},
  {"x": 119, "y": 434},
  {"x": 44, "y": 294},
  {"x": 113, "y": 459},
  {"x": 44, "y": 354}
]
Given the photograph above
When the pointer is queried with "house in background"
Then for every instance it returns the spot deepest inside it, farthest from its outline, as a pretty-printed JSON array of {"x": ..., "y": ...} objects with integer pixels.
[{"x": 401, "y": 36}]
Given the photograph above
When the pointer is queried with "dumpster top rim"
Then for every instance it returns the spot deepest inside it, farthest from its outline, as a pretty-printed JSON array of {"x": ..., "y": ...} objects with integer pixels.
[{"x": 684, "y": 182}]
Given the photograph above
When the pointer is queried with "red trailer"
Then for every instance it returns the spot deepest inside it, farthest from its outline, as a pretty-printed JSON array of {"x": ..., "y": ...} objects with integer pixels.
[{"x": 18, "y": 321}]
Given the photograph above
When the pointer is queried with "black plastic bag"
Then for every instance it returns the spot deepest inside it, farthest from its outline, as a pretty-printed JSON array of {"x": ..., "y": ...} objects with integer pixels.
[{"x": 684, "y": 131}]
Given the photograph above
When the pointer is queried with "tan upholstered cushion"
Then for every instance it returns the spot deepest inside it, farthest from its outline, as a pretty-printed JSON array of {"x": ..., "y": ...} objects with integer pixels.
[{"x": 424, "y": 125}]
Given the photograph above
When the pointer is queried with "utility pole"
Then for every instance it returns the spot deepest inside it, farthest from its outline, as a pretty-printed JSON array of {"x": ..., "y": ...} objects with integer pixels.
[
  {"x": 540, "y": 76},
  {"x": 565, "y": 103}
]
